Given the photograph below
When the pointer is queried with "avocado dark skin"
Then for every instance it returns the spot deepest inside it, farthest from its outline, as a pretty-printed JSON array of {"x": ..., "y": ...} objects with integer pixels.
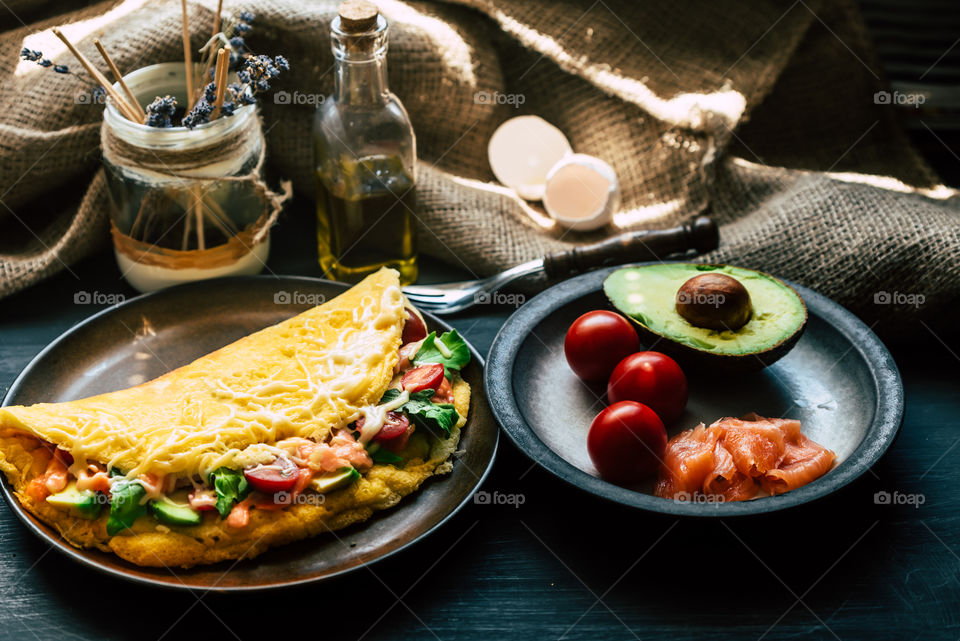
[{"x": 714, "y": 301}]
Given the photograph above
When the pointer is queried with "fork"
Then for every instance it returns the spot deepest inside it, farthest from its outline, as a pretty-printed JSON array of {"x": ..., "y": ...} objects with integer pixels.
[{"x": 700, "y": 235}]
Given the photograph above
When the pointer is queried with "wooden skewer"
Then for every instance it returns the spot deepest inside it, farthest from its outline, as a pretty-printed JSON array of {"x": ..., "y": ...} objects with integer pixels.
[
  {"x": 210, "y": 214},
  {"x": 198, "y": 212},
  {"x": 208, "y": 65},
  {"x": 187, "y": 57},
  {"x": 221, "y": 80},
  {"x": 216, "y": 18},
  {"x": 206, "y": 68},
  {"x": 212, "y": 52},
  {"x": 116, "y": 74},
  {"x": 122, "y": 105},
  {"x": 188, "y": 218}
]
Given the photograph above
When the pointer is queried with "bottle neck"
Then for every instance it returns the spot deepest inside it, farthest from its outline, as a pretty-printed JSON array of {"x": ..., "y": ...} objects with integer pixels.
[{"x": 361, "y": 82}]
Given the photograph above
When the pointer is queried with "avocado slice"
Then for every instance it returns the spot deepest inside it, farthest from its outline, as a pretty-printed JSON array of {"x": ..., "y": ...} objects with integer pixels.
[
  {"x": 82, "y": 503},
  {"x": 647, "y": 294},
  {"x": 335, "y": 480},
  {"x": 172, "y": 512}
]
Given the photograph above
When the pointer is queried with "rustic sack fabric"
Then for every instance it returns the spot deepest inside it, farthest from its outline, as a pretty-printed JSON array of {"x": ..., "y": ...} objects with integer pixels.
[{"x": 762, "y": 111}]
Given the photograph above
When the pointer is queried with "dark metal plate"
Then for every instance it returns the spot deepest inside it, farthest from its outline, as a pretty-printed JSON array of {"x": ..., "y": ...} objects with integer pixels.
[
  {"x": 839, "y": 380},
  {"x": 152, "y": 334}
]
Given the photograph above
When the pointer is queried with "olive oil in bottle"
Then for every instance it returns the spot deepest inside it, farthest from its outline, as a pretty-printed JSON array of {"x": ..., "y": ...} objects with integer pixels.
[
  {"x": 365, "y": 153},
  {"x": 365, "y": 221}
]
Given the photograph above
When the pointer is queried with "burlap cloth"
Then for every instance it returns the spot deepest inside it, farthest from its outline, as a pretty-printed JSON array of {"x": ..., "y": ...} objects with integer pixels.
[{"x": 763, "y": 111}]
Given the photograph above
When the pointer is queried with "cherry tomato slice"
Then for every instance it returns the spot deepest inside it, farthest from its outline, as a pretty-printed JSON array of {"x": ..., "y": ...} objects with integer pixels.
[
  {"x": 413, "y": 329},
  {"x": 397, "y": 443},
  {"x": 423, "y": 377},
  {"x": 279, "y": 476},
  {"x": 395, "y": 424}
]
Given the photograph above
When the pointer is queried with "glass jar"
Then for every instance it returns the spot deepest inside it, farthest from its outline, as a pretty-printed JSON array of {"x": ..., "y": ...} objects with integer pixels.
[
  {"x": 365, "y": 156},
  {"x": 185, "y": 204}
]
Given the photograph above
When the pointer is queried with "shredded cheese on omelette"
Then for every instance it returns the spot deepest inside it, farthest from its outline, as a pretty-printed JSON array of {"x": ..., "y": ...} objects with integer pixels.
[{"x": 303, "y": 377}]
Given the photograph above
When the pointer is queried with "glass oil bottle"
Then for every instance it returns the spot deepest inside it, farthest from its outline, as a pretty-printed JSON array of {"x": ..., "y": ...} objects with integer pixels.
[{"x": 365, "y": 157}]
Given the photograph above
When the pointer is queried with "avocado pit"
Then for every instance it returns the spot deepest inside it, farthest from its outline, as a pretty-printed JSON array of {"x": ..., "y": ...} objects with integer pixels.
[{"x": 714, "y": 301}]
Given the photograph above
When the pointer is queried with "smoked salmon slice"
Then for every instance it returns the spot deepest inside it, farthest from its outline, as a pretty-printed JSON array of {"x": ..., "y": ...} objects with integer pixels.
[
  {"x": 687, "y": 461},
  {"x": 726, "y": 480},
  {"x": 735, "y": 457},
  {"x": 804, "y": 461}
]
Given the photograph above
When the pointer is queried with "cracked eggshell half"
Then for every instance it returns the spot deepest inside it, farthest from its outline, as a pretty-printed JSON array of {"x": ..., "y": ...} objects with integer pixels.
[
  {"x": 582, "y": 192},
  {"x": 522, "y": 151}
]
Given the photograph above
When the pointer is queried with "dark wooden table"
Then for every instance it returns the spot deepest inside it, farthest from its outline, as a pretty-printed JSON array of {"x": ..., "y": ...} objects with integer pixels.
[{"x": 563, "y": 565}]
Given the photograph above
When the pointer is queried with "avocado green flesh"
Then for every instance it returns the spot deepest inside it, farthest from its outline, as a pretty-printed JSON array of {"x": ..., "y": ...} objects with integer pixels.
[
  {"x": 648, "y": 295},
  {"x": 335, "y": 480},
  {"x": 82, "y": 503},
  {"x": 166, "y": 511}
]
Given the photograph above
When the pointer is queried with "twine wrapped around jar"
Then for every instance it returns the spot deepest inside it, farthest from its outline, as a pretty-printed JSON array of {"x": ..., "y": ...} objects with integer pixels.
[
  {"x": 186, "y": 203},
  {"x": 190, "y": 164}
]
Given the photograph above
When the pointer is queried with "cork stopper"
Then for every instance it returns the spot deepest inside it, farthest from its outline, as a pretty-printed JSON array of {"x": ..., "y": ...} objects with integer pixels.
[{"x": 358, "y": 16}]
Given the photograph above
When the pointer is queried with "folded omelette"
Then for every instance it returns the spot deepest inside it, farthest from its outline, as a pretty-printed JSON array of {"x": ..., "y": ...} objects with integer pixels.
[{"x": 301, "y": 428}]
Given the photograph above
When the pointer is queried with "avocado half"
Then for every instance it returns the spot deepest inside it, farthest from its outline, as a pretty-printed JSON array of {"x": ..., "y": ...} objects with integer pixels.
[{"x": 647, "y": 295}]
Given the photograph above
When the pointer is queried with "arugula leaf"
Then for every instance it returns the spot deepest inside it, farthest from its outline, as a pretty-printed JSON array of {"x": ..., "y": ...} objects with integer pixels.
[
  {"x": 390, "y": 395},
  {"x": 423, "y": 411},
  {"x": 456, "y": 346},
  {"x": 385, "y": 456},
  {"x": 432, "y": 415},
  {"x": 126, "y": 505},
  {"x": 231, "y": 486}
]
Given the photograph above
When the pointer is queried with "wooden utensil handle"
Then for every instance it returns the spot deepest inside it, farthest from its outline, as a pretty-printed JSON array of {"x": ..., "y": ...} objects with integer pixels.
[{"x": 700, "y": 235}]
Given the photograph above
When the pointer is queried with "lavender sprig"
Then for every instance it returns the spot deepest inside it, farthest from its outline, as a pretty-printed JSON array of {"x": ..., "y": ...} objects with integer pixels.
[
  {"x": 254, "y": 75},
  {"x": 199, "y": 115},
  {"x": 238, "y": 43},
  {"x": 33, "y": 55},
  {"x": 160, "y": 112},
  {"x": 37, "y": 56}
]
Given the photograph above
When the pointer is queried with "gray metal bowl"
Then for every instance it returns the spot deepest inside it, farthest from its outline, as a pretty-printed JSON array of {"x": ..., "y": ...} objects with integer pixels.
[{"x": 839, "y": 380}]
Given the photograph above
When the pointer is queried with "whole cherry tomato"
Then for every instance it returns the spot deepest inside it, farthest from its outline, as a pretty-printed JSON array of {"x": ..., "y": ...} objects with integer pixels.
[
  {"x": 653, "y": 379},
  {"x": 596, "y": 342},
  {"x": 626, "y": 442}
]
